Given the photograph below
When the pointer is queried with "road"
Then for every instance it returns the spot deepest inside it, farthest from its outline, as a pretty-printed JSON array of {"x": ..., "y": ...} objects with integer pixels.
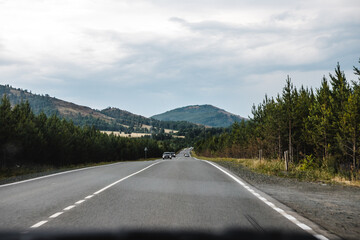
[{"x": 181, "y": 193}]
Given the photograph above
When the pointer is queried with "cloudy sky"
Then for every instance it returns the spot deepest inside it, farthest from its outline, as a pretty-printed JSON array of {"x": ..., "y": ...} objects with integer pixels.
[{"x": 151, "y": 56}]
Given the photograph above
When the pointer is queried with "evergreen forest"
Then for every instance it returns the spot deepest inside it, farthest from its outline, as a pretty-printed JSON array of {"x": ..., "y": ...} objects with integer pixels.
[
  {"x": 27, "y": 139},
  {"x": 319, "y": 128}
]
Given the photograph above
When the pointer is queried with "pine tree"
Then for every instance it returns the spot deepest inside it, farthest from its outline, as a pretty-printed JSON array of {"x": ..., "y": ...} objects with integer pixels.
[
  {"x": 319, "y": 121},
  {"x": 340, "y": 94},
  {"x": 288, "y": 103},
  {"x": 348, "y": 135}
]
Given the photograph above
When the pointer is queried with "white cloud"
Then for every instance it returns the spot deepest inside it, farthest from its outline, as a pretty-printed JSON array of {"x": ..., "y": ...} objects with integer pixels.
[{"x": 203, "y": 49}]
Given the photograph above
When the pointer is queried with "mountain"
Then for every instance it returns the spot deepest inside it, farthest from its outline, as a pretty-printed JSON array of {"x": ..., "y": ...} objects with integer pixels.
[
  {"x": 125, "y": 117},
  {"x": 50, "y": 105},
  {"x": 112, "y": 119},
  {"x": 200, "y": 114}
]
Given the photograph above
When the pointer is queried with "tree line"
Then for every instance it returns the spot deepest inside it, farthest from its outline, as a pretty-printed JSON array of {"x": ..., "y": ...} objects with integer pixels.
[
  {"x": 321, "y": 126},
  {"x": 30, "y": 139}
]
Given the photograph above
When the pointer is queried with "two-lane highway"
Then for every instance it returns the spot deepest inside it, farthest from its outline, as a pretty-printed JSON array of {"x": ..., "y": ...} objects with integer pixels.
[{"x": 181, "y": 193}]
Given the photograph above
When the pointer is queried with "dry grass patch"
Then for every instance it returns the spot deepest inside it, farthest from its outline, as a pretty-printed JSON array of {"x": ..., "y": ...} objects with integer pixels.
[{"x": 277, "y": 168}]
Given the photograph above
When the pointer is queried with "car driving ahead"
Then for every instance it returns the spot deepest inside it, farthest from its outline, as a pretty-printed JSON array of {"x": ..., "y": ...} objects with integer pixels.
[{"x": 166, "y": 155}]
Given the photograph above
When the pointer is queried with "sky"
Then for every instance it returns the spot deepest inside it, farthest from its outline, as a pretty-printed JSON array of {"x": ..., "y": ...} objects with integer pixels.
[{"x": 148, "y": 57}]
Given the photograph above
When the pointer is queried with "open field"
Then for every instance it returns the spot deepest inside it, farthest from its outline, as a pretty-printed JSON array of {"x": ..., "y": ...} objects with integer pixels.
[
  {"x": 148, "y": 127},
  {"x": 133, "y": 135},
  {"x": 122, "y": 134}
]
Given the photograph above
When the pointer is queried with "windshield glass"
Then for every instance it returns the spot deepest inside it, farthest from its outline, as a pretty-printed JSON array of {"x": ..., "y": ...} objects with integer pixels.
[{"x": 200, "y": 116}]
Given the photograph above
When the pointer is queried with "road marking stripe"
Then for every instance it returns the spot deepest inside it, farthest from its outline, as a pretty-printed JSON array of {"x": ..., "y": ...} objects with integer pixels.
[
  {"x": 320, "y": 237},
  {"x": 79, "y": 202},
  {"x": 304, "y": 226},
  {"x": 281, "y": 211},
  {"x": 54, "y": 174},
  {"x": 69, "y": 207},
  {"x": 112, "y": 184},
  {"x": 38, "y": 224},
  {"x": 88, "y": 197},
  {"x": 56, "y": 215}
]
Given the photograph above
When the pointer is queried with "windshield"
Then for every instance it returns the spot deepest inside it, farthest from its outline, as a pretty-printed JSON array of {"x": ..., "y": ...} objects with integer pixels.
[{"x": 192, "y": 116}]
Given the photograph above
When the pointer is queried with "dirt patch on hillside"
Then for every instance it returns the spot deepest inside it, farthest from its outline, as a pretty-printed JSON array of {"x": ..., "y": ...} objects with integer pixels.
[{"x": 334, "y": 207}]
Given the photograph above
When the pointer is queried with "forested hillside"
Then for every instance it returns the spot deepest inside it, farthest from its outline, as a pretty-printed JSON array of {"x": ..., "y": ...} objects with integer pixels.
[
  {"x": 320, "y": 128},
  {"x": 27, "y": 139},
  {"x": 201, "y": 114},
  {"x": 136, "y": 122},
  {"x": 112, "y": 119}
]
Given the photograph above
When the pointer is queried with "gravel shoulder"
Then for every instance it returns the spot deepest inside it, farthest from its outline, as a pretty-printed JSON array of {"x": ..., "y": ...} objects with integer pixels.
[{"x": 334, "y": 207}]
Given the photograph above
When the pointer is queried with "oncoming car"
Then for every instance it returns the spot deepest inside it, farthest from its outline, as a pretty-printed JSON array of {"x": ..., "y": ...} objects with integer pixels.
[{"x": 166, "y": 155}]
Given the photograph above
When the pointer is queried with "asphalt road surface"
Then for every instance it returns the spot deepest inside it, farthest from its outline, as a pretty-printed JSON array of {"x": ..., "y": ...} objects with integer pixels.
[{"x": 181, "y": 193}]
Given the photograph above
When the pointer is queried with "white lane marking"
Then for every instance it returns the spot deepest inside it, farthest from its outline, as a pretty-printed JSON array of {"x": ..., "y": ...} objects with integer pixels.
[
  {"x": 112, "y": 184},
  {"x": 69, "y": 207},
  {"x": 278, "y": 210},
  {"x": 320, "y": 237},
  {"x": 304, "y": 226},
  {"x": 282, "y": 212},
  {"x": 56, "y": 215},
  {"x": 55, "y": 174},
  {"x": 90, "y": 196},
  {"x": 38, "y": 224},
  {"x": 79, "y": 202},
  {"x": 291, "y": 218}
]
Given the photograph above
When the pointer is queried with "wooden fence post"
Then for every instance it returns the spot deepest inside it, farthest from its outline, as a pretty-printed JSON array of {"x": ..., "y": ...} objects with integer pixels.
[
  {"x": 260, "y": 155},
  {"x": 286, "y": 156}
]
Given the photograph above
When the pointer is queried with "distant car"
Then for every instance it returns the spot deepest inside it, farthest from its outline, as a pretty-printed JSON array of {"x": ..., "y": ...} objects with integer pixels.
[
  {"x": 167, "y": 155},
  {"x": 186, "y": 155},
  {"x": 173, "y": 154}
]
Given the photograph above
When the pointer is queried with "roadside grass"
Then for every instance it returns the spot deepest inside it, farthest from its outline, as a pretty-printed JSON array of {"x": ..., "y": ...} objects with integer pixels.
[
  {"x": 47, "y": 169},
  {"x": 277, "y": 168}
]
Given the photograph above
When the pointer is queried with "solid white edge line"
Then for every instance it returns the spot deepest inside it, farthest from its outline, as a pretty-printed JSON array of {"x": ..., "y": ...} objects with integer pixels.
[
  {"x": 88, "y": 197},
  {"x": 56, "y": 215},
  {"x": 112, "y": 184},
  {"x": 288, "y": 216},
  {"x": 38, "y": 224},
  {"x": 321, "y": 237},
  {"x": 54, "y": 174}
]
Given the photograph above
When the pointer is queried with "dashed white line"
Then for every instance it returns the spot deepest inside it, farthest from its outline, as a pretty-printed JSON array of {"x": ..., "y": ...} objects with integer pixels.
[
  {"x": 281, "y": 211},
  {"x": 87, "y": 197},
  {"x": 69, "y": 207},
  {"x": 56, "y": 215},
  {"x": 38, "y": 224},
  {"x": 79, "y": 202}
]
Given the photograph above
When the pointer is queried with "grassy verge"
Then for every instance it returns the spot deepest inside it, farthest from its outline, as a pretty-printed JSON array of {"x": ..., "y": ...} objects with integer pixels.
[
  {"x": 277, "y": 168},
  {"x": 44, "y": 170}
]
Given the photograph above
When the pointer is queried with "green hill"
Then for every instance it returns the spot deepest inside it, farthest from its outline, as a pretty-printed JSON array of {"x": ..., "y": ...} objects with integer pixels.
[
  {"x": 200, "y": 114},
  {"x": 112, "y": 119}
]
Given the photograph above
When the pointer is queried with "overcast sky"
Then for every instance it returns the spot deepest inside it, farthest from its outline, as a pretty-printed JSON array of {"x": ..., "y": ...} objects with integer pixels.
[{"x": 148, "y": 57}]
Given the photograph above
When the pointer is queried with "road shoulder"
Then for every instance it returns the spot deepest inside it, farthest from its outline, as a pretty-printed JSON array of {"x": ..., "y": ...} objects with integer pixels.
[{"x": 333, "y": 207}]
